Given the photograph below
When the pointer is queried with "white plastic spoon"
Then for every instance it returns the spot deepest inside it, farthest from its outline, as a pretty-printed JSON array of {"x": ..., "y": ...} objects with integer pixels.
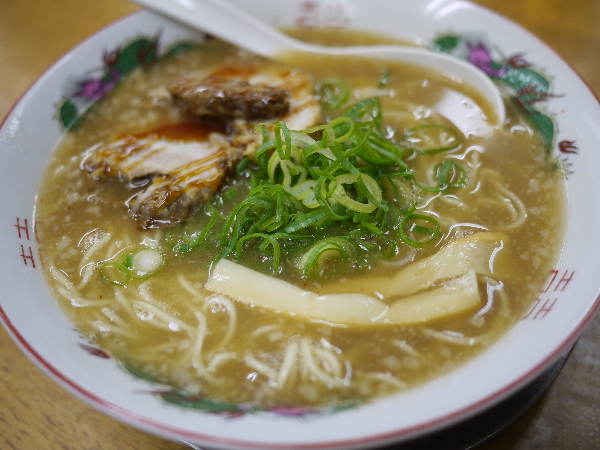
[{"x": 225, "y": 21}]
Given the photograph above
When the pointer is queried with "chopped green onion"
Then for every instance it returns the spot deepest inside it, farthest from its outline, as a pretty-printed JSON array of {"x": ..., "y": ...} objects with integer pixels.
[
  {"x": 433, "y": 138},
  {"x": 128, "y": 261},
  {"x": 418, "y": 230},
  {"x": 384, "y": 79},
  {"x": 343, "y": 178},
  {"x": 314, "y": 259},
  {"x": 115, "y": 273},
  {"x": 451, "y": 174},
  {"x": 333, "y": 93},
  {"x": 146, "y": 262},
  {"x": 242, "y": 165},
  {"x": 306, "y": 220},
  {"x": 267, "y": 240},
  {"x": 187, "y": 245},
  {"x": 132, "y": 263},
  {"x": 372, "y": 228},
  {"x": 340, "y": 194}
]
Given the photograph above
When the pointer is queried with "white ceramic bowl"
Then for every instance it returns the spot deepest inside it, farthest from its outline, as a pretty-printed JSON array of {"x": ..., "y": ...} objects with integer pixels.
[{"x": 38, "y": 325}]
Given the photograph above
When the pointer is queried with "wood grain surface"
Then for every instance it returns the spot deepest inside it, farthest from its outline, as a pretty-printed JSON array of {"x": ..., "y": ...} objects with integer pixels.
[{"x": 35, "y": 413}]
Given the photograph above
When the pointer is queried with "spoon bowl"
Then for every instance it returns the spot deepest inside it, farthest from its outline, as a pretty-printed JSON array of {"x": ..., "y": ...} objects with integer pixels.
[{"x": 223, "y": 20}]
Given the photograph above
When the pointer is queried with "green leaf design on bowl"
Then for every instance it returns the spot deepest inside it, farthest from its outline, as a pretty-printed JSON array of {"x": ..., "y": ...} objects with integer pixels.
[
  {"x": 143, "y": 51},
  {"x": 529, "y": 87},
  {"x": 203, "y": 403}
]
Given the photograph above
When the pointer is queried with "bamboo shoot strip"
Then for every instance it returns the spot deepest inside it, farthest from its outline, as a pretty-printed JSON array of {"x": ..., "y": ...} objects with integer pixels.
[
  {"x": 475, "y": 252},
  {"x": 254, "y": 288}
]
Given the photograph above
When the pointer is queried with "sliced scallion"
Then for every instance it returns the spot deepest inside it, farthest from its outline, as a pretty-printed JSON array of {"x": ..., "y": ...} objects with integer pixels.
[
  {"x": 146, "y": 262},
  {"x": 115, "y": 273},
  {"x": 132, "y": 263},
  {"x": 314, "y": 259},
  {"x": 433, "y": 138},
  {"x": 343, "y": 178},
  {"x": 385, "y": 78},
  {"x": 419, "y": 230},
  {"x": 333, "y": 93},
  {"x": 451, "y": 174}
]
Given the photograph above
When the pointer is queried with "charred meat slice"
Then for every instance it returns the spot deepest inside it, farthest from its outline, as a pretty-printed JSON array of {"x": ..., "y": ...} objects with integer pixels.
[
  {"x": 229, "y": 99},
  {"x": 182, "y": 172},
  {"x": 304, "y": 110},
  {"x": 158, "y": 152},
  {"x": 171, "y": 199}
]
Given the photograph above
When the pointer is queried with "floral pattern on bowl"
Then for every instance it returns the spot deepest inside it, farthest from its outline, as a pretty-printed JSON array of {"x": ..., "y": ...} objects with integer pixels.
[{"x": 140, "y": 52}]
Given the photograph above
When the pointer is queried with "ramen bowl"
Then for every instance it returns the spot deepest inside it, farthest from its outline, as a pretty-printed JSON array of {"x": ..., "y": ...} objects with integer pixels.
[{"x": 543, "y": 335}]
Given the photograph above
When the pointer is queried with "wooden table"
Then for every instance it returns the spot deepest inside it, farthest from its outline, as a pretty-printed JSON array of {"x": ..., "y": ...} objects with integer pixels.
[{"x": 35, "y": 413}]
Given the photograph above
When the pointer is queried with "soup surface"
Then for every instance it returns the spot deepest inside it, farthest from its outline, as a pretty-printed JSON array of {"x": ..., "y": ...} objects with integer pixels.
[{"x": 470, "y": 211}]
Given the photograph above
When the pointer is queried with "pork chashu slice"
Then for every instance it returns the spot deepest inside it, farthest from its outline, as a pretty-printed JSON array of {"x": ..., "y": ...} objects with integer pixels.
[
  {"x": 245, "y": 96},
  {"x": 229, "y": 98},
  {"x": 184, "y": 172},
  {"x": 183, "y": 164}
]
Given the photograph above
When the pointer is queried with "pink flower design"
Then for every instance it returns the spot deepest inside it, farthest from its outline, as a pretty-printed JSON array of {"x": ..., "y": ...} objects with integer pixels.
[
  {"x": 95, "y": 89},
  {"x": 480, "y": 56}
]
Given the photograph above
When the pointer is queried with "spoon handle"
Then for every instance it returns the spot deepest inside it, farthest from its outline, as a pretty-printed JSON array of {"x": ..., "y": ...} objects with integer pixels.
[
  {"x": 227, "y": 22},
  {"x": 231, "y": 24}
]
